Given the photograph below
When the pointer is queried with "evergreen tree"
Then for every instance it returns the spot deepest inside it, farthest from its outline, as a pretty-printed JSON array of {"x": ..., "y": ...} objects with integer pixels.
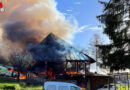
[{"x": 116, "y": 20}]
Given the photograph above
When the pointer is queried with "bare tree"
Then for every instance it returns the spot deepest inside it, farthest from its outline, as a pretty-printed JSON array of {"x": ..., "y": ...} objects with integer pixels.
[
  {"x": 93, "y": 50},
  {"x": 22, "y": 62}
]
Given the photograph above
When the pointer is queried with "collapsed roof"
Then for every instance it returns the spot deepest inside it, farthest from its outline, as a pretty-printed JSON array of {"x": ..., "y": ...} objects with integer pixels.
[{"x": 52, "y": 48}]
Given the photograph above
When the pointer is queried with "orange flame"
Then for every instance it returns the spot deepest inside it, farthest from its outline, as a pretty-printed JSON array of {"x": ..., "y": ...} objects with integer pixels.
[
  {"x": 35, "y": 76},
  {"x": 74, "y": 73},
  {"x": 82, "y": 88},
  {"x": 10, "y": 69},
  {"x": 22, "y": 77},
  {"x": 16, "y": 71},
  {"x": 43, "y": 73}
]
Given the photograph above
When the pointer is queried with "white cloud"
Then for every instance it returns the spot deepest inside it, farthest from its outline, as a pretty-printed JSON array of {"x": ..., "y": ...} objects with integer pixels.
[
  {"x": 77, "y": 3},
  {"x": 88, "y": 27},
  {"x": 82, "y": 28},
  {"x": 69, "y": 10},
  {"x": 95, "y": 28}
]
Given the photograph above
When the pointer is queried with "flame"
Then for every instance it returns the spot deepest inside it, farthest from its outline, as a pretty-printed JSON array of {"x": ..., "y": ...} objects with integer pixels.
[
  {"x": 51, "y": 74},
  {"x": 43, "y": 73},
  {"x": 35, "y": 76},
  {"x": 10, "y": 69},
  {"x": 16, "y": 71},
  {"x": 22, "y": 77},
  {"x": 82, "y": 88},
  {"x": 73, "y": 73}
]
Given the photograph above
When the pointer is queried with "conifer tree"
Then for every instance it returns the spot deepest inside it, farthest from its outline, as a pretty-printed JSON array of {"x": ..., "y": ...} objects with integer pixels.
[{"x": 116, "y": 22}]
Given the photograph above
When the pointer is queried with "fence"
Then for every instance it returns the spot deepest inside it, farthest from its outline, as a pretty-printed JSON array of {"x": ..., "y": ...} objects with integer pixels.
[{"x": 121, "y": 81}]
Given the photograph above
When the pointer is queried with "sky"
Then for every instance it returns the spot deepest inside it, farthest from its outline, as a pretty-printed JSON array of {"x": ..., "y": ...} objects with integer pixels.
[{"x": 84, "y": 12}]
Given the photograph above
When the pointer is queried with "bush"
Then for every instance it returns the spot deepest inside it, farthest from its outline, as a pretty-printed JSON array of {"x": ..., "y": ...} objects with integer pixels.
[
  {"x": 23, "y": 84},
  {"x": 9, "y": 88}
]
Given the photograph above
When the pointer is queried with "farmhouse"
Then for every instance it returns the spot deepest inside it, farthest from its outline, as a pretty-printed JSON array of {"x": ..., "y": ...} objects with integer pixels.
[{"x": 57, "y": 59}]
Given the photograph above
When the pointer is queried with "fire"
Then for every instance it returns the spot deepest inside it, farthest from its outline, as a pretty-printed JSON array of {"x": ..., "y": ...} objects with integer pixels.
[
  {"x": 73, "y": 73},
  {"x": 43, "y": 73},
  {"x": 51, "y": 74},
  {"x": 35, "y": 76},
  {"x": 10, "y": 69},
  {"x": 16, "y": 71},
  {"x": 22, "y": 77},
  {"x": 82, "y": 88}
]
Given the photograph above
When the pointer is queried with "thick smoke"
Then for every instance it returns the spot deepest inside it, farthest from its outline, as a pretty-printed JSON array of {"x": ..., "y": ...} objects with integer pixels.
[
  {"x": 30, "y": 21},
  {"x": 18, "y": 32}
]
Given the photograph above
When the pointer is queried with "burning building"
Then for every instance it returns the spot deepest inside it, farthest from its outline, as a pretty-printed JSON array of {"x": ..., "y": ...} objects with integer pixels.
[
  {"x": 57, "y": 59},
  {"x": 58, "y": 55},
  {"x": 25, "y": 30}
]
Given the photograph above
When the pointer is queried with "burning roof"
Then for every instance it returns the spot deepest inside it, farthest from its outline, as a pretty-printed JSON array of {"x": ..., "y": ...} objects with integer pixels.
[{"x": 52, "y": 48}]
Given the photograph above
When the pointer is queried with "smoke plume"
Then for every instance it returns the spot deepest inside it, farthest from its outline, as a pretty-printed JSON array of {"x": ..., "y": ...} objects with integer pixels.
[{"x": 30, "y": 21}]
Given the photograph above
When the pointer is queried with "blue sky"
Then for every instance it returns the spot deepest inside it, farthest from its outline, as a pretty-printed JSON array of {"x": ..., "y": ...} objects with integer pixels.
[{"x": 85, "y": 12}]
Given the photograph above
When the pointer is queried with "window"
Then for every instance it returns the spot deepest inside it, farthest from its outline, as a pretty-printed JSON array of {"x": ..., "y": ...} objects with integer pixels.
[
  {"x": 113, "y": 86},
  {"x": 63, "y": 88},
  {"x": 74, "y": 88},
  {"x": 105, "y": 87},
  {"x": 51, "y": 87}
]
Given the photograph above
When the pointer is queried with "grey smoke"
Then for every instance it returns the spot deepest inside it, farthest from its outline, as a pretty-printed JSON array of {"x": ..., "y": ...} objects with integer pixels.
[
  {"x": 18, "y": 32},
  {"x": 30, "y": 21}
]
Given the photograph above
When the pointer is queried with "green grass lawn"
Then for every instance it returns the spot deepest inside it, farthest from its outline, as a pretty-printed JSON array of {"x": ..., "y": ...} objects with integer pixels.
[{"x": 6, "y": 84}]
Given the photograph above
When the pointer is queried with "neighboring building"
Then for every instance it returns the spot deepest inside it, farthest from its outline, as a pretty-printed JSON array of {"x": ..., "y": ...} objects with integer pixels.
[{"x": 95, "y": 81}]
